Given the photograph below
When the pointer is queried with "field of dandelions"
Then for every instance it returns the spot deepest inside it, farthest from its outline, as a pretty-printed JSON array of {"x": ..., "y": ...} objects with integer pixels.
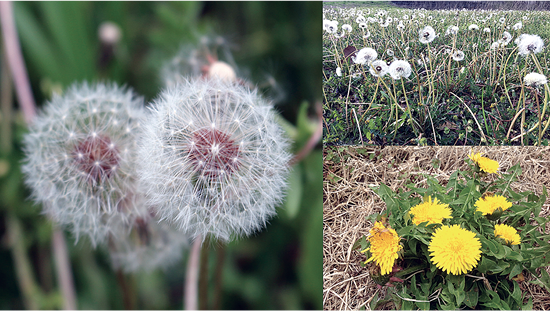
[
  {"x": 159, "y": 126},
  {"x": 446, "y": 77}
]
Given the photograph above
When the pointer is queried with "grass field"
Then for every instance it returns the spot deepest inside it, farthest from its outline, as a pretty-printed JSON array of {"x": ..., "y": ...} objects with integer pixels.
[{"x": 466, "y": 86}]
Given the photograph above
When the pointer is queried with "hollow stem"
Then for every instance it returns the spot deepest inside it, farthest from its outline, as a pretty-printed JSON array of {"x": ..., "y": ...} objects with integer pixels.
[{"x": 192, "y": 276}]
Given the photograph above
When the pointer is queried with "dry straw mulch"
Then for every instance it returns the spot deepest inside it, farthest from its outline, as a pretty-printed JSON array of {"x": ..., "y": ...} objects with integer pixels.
[{"x": 348, "y": 200}]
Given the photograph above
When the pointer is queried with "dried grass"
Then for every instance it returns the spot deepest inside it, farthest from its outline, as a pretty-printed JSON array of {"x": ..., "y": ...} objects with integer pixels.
[{"x": 348, "y": 200}]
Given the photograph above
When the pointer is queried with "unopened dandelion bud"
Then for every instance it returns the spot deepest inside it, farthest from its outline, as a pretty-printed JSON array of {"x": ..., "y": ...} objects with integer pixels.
[
  {"x": 222, "y": 71},
  {"x": 217, "y": 159},
  {"x": 80, "y": 158}
]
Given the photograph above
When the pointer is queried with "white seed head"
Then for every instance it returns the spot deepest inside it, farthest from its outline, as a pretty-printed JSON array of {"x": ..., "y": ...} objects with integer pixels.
[
  {"x": 458, "y": 55},
  {"x": 534, "y": 78},
  {"x": 378, "y": 68},
  {"x": 400, "y": 68},
  {"x": 147, "y": 246},
  {"x": 224, "y": 180},
  {"x": 365, "y": 56},
  {"x": 427, "y": 34},
  {"x": 529, "y": 44},
  {"x": 82, "y": 182}
]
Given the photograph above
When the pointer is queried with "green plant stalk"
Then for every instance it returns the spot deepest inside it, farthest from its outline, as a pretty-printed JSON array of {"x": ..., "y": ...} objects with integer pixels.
[
  {"x": 431, "y": 77},
  {"x": 23, "y": 269},
  {"x": 408, "y": 108},
  {"x": 203, "y": 277},
  {"x": 484, "y": 117},
  {"x": 504, "y": 82}
]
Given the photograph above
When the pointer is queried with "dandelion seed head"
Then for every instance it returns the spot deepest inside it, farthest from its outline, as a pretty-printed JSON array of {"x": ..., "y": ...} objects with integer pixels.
[
  {"x": 427, "y": 34},
  {"x": 222, "y": 177},
  {"x": 400, "y": 68},
  {"x": 535, "y": 79}
]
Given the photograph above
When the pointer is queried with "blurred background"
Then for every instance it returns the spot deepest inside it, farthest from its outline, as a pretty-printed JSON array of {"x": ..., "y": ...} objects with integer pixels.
[{"x": 274, "y": 45}]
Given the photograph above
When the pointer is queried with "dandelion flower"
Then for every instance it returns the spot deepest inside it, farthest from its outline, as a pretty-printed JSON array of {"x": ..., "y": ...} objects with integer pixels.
[
  {"x": 534, "y": 78},
  {"x": 508, "y": 233},
  {"x": 80, "y": 158},
  {"x": 366, "y": 34},
  {"x": 490, "y": 204},
  {"x": 530, "y": 44},
  {"x": 427, "y": 34},
  {"x": 384, "y": 247},
  {"x": 400, "y": 68},
  {"x": 473, "y": 27},
  {"x": 330, "y": 26},
  {"x": 485, "y": 164},
  {"x": 431, "y": 211},
  {"x": 389, "y": 52},
  {"x": 487, "y": 30},
  {"x": 363, "y": 26},
  {"x": 454, "y": 250},
  {"x": 378, "y": 68},
  {"x": 360, "y": 19},
  {"x": 458, "y": 55},
  {"x": 217, "y": 160},
  {"x": 365, "y": 56},
  {"x": 502, "y": 20}
]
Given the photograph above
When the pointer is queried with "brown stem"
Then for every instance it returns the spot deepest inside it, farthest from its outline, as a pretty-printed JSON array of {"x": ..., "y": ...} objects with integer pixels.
[
  {"x": 313, "y": 140},
  {"x": 125, "y": 288},
  {"x": 192, "y": 274}
]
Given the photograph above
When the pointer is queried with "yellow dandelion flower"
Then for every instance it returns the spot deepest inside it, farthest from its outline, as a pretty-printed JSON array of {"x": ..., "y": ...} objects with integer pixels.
[
  {"x": 488, "y": 205},
  {"x": 474, "y": 156},
  {"x": 455, "y": 250},
  {"x": 508, "y": 233},
  {"x": 384, "y": 246},
  {"x": 485, "y": 164},
  {"x": 431, "y": 211}
]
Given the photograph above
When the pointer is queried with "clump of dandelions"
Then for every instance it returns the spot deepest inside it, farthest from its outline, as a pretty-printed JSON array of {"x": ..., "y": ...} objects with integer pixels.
[
  {"x": 80, "y": 159},
  {"x": 217, "y": 159}
]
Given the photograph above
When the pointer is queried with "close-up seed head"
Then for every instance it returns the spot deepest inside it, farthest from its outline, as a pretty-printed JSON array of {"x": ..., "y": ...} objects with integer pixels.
[
  {"x": 217, "y": 158},
  {"x": 80, "y": 158}
]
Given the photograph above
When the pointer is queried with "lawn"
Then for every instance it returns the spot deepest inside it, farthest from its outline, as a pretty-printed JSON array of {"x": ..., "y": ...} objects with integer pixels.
[{"x": 465, "y": 81}]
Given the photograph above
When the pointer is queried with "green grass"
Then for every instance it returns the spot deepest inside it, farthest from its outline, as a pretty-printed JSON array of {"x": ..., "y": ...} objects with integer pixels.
[{"x": 447, "y": 102}]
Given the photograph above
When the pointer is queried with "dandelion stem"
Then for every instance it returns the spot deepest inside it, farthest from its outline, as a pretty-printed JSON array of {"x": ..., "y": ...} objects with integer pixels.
[
  {"x": 192, "y": 275},
  {"x": 203, "y": 277},
  {"x": 28, "y": 106},
  {"x": 63, "y": 265},
  {"x": 220, "y": 258},
  {"x": 16, "y": 62},
  {"x": 127, "y": 297}
]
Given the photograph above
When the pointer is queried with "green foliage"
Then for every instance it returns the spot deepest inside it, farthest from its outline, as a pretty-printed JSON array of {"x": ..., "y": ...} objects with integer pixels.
[{"x": 493, "y": 282}]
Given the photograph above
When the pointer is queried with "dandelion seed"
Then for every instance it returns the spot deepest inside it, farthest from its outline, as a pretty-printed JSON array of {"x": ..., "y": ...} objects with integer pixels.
[
  {"x": 339, "y": 71},
  {"x": 400, "y": 68},
  {"x": 530, "y": 44},
  {"x": 452, "y": 30},
  {"x": 506, "y": 38},
  {"x": 517, "y": 26},
  {"x": 365, "y": 56},
  {"x": 347, "y": 27},
  {"x": 378, "y": 68},
  {"x": 458, "y": 55},
  {"x": 427, "y": 34},
  {"x": 535, "y": 78}
]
